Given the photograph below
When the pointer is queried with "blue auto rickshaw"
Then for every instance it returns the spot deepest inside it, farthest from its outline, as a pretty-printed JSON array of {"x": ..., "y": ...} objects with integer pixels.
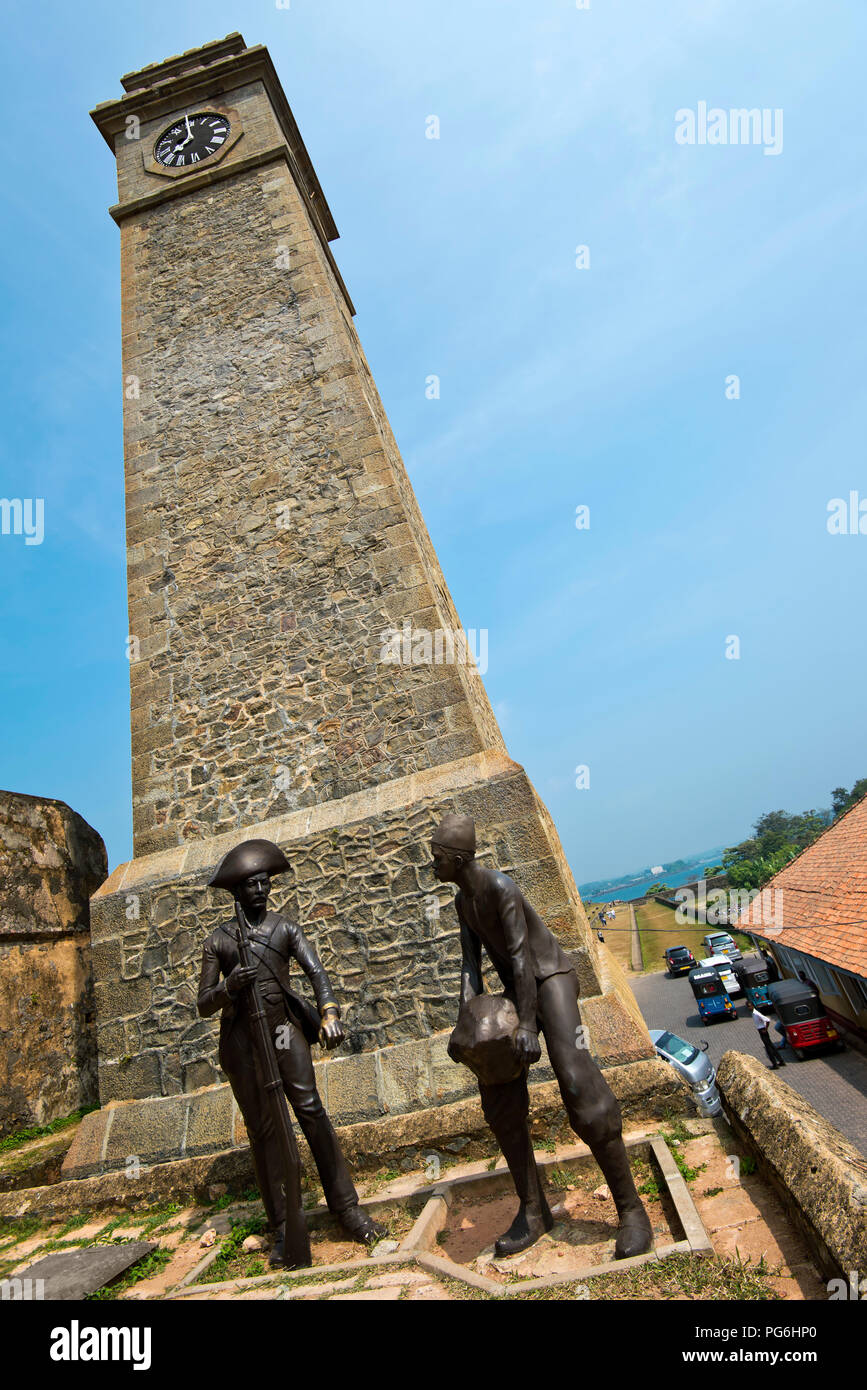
[
  {"x": 754, "y": 977},
  {"x": 707, "y": 985}
]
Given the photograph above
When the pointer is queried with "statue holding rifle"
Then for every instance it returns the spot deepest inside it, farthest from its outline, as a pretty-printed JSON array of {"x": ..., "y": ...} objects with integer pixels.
[{"x": 266, "y": 1032}]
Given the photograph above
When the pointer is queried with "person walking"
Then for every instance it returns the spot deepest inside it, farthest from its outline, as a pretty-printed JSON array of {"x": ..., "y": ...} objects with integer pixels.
[{"x": 762, "y": 1021}]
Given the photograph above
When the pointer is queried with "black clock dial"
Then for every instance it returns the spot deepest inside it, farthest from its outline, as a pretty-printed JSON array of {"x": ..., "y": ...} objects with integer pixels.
[{"x": 192, "y": 139}]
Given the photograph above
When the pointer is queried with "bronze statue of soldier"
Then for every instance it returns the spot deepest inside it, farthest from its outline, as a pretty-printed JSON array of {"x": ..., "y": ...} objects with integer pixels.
[
  {"x": 274, "y": 942},
  {"x": 540, "y": 980}
]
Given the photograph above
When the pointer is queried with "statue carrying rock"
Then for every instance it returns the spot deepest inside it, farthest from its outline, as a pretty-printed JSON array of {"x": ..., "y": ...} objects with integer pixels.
[{"x": 541, "y": 994}]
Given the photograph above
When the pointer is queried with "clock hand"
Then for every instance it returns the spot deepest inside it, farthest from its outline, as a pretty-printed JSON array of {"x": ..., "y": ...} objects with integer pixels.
[{"x": 183, "y": 143}]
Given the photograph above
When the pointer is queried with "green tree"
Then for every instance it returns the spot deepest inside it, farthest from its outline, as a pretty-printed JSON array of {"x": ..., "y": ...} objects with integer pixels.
[
  {"x": 755, "y": 872},
  {"x": 777, "y": 837},
  {"x": 841, "y": 800}
]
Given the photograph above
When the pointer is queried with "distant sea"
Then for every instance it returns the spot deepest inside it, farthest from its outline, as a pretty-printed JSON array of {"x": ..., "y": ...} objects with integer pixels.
[{"x": 636, "y": 885}]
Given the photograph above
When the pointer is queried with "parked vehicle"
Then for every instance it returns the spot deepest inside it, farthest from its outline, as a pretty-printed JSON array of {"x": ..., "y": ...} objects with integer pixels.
[
  {"x": 753, "y": 975},
  {"x": 679, "y": 960},
  {"x": 726, "y": 970},
  {"x": 720, "y": 943},
  {"x": 711, "y": 994},
  {"x": 803, "y": 1018},
  {"x": 692, "y": 1064}
]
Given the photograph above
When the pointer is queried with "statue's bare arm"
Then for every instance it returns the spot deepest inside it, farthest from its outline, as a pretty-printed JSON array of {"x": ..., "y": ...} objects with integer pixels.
[{"x": 514, "y": 924}]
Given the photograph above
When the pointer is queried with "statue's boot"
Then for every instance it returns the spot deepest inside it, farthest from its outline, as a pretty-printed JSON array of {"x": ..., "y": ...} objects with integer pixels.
[
  {"x": 506, "y": 1108},
  {"x": 360, "y": 1226},
  {"x": 634, "y": 1232},
  {"x": 531, "y": 1221}
]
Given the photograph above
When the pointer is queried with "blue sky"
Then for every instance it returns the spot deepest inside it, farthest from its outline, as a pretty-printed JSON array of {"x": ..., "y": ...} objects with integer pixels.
[{"x": 602, "y": 386}]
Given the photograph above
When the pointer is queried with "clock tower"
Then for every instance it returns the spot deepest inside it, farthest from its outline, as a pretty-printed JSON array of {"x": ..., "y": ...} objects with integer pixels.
[{"x": 297, "y": 667}]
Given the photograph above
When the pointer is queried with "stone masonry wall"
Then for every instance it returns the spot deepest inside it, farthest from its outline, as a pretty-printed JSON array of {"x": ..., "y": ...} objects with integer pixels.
[
  {"x": 361, "y": 888},
  {"x": 271, "y": 538},
  {"x": 51, "y": 861}
]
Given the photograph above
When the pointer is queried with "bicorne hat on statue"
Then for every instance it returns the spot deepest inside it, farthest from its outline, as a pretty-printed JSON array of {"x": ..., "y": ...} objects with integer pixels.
[{"x": 251, "y": 857}]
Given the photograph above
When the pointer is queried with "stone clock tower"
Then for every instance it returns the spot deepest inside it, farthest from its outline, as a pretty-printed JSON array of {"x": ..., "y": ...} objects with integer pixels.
[{"x": 274, "y": 543}]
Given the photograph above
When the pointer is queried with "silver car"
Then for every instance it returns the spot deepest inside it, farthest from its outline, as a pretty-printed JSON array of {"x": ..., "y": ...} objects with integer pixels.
[
  {"x": 720, "y": 943},
  {"x": 693, "y": 1065}
]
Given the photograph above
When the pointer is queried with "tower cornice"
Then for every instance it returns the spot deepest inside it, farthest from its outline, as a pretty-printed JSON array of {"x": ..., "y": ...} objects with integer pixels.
[{"x": 182, "y": 81}]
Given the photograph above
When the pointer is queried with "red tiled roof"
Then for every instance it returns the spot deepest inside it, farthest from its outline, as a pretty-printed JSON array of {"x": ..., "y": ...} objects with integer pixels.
[{"x": 818, "y": 903}]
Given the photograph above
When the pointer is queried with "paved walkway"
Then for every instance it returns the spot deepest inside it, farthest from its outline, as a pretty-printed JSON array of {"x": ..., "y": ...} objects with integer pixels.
[{"x": 835, "y": 1084}]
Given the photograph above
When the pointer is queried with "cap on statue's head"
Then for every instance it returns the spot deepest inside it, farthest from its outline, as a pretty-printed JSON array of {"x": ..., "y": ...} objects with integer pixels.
[
  {"x": 252, "y": 857},
  {"x": 456, "y": 832}
]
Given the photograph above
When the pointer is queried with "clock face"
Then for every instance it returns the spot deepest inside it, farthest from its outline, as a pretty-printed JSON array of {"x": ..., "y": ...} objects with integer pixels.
[{"x": 192, "y": 139}]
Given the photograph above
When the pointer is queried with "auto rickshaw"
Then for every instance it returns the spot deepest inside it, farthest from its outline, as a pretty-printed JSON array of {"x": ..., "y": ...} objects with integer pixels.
[
  {"x": 754, "y": 977},
  {"x": 707, "y": 985},
  {"x": 802, "y": 1017}
]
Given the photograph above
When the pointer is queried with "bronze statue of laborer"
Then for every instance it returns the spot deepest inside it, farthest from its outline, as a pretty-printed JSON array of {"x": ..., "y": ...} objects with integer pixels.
[
  {"x": 246, "y": 873},
  {"x": 540, "y": 980}
]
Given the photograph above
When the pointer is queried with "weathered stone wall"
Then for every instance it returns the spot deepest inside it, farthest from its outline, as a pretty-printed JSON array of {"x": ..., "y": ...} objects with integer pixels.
[
  {"x": 163, "y": 1130},
  {"x": 816, "y": 1171},
  {"x": 361, "y": 888},
  {"x": 273, "y": 534},
  {"x": 51, "y": 861}
]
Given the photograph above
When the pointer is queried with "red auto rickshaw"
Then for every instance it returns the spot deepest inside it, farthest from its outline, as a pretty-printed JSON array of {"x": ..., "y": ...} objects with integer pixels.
[{"x": 802, "y": 1018}]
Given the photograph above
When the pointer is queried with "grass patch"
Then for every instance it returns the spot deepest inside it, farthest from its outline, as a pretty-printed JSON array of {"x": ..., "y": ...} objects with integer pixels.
[
  {"x": 677, "y": 1276},
  {"x": 232, "y": 1262},
  {"x": 145, "y": 1269},
  {"x": 675, "y": 1136},
  {"x": 748, "y": 1166},
  {"x": 711, "y": 1192},
  {"x": 22, "y": 1228},
  {"x": 558, "y": 1177},
  {"x": 658, "y": 928},
  {"x": 677, "y": 1132},
  {"x": 646, "y": 1181},
  {"x": 81, "y": 1218},
  {"x": 158, "y": 1215},
  {"x": 688, "y": 1173},
  {"x": 24, "y": 1136}
]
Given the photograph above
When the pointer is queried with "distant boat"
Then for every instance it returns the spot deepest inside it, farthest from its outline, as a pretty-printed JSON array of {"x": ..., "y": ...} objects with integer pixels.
[{"x": 656, "y": 869}]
